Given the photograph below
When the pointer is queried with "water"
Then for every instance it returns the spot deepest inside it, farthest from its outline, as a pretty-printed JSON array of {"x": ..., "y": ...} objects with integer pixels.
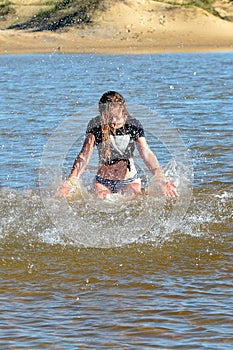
[{"x": 169, "y": 289}]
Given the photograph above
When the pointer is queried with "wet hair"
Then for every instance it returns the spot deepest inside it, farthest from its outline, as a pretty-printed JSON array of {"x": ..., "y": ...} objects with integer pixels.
[
  {"x": 104, "y": 105},
  {"x": 111, "y": 96},
  {"x": 105, "y": 102}
]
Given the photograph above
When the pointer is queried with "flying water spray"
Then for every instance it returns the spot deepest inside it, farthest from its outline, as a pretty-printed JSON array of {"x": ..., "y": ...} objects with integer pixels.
[{"x": 116, "y": 221}]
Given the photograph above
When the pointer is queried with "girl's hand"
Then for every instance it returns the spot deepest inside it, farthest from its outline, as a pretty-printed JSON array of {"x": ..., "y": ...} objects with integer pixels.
[
  {"x": 68, "y": 188},
  {"x": 168, "y": 188},
  {"x": 162, "y": 186}
]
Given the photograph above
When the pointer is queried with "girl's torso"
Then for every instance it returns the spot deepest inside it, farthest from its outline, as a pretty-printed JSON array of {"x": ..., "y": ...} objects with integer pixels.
[
  {"x": 117, "y": 171},
  {"x": 119, "y": 164}
]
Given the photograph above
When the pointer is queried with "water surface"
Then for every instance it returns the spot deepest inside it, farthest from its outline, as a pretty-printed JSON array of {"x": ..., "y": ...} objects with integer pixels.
[{"x": 171, "y": 291}]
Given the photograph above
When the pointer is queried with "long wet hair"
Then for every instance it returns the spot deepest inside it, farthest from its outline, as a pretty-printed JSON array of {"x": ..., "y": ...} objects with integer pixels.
[{"x": 104, "y": 107}]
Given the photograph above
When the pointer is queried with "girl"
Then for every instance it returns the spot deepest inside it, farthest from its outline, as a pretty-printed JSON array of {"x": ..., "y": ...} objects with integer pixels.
[{"x": 115, "y": 133}]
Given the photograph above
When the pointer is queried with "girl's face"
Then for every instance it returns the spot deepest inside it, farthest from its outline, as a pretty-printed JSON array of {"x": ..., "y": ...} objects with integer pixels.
[{"x": 115, "y": 113}]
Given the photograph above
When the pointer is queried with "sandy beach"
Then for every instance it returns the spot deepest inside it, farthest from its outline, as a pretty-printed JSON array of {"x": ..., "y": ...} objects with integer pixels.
[{"x": 142, "y": 26}]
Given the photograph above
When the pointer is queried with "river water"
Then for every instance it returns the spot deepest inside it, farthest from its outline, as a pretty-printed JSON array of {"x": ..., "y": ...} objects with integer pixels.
[{"x": 154, "y": 273}]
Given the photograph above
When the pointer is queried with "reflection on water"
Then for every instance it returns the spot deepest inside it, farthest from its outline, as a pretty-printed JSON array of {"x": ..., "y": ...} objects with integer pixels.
[{"x": 164, "y": 290}]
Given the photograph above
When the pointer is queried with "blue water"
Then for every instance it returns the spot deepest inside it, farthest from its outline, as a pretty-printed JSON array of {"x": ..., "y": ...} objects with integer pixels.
[
  {"x": 38, "y": 92},
  {"x": 173, "y": 291}
]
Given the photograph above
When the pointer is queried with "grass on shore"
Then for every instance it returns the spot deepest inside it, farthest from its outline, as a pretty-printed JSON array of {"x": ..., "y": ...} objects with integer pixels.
[
  {"x": 62, "y": 13},
  {"x": 206, "y": 5},
  {"x": 6, "y": 8}
]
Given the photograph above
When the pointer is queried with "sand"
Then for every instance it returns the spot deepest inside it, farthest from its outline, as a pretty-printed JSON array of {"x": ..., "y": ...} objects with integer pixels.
[{"x": 136, "y": 26}]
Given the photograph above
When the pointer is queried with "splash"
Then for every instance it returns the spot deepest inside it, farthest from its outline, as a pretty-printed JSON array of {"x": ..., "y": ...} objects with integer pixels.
[{"x": 116, "y": 221}]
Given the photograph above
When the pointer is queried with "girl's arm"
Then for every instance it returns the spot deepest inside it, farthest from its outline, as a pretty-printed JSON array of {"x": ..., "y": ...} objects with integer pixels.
[
  {"x": 83, "y": 157},
  {"x": 149, "y": 158},
  {"x": 79, "y": 166}
]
